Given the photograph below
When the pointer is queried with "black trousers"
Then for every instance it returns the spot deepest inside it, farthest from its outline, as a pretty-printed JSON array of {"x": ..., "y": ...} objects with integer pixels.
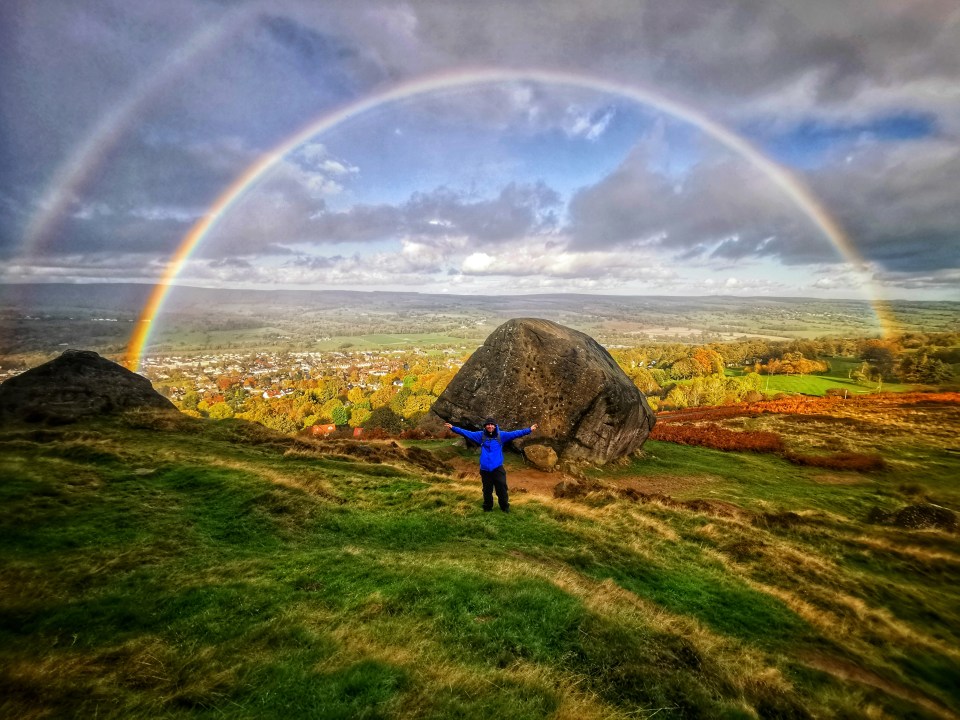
[{"x": 495, "y": 479}]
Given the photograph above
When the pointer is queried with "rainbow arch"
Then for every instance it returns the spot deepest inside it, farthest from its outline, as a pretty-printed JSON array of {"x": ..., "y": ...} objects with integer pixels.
[{"x": 791, "y": 186}]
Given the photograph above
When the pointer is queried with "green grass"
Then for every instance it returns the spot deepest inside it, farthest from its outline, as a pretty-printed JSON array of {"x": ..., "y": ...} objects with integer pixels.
[
  {"x": 836, "y": 378},
  {"x": 158, "y": 568}
]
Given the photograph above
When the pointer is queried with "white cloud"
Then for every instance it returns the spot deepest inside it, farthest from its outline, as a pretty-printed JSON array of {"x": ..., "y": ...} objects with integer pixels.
[
  {"x": 178, "y": 214},
  {"x": 89, "y": 211},
  {"x": 586, "y": 124},
  {"x": 480, "y": 263}
]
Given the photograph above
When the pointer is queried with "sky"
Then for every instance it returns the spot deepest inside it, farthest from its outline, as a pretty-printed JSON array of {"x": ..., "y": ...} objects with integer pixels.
[{"x": 752, "y": 147}]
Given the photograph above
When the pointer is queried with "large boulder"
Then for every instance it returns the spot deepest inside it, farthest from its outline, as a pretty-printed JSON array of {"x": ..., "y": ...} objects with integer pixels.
[
  {"x": 536, "y": 371},
  {"x": 77, "y": 384}
]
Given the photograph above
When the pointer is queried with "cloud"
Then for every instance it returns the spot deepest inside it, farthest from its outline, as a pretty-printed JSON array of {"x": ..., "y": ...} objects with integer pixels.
[
  {"x": 943, "y": 282},
  {"x": 721, "y": 207},
  {"x": 590, "y": 125},
  {"x": 826, "y": 88},
  {"x": 517, "y": 211},
  {"x": 897, "y": 202}
]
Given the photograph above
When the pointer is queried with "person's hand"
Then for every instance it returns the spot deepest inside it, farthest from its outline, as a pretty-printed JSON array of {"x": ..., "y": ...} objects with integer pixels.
[
  {"x": 448, "y": 426},
  {"x": 534, "y": 426}
]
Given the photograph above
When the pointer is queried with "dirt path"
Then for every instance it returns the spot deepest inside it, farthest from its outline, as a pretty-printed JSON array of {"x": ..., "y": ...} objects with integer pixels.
[
  {"x": 520, "y": 480},
  {"x": 530, "y": 481}
]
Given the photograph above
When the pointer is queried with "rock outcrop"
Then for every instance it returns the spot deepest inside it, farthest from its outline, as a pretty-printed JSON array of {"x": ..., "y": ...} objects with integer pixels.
[
  {"x": 77, "y": 384},
  {"x": 532, "y": 370}
]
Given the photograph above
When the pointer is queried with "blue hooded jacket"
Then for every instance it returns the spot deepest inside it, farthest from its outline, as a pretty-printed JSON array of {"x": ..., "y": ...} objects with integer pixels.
[{"x": 491, "y": 448}]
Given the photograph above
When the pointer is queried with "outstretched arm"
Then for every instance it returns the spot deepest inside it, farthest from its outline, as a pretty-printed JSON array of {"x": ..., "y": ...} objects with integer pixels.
[
  {"x": 469, "y": 434},
  {"x": 508, "y": 436}
]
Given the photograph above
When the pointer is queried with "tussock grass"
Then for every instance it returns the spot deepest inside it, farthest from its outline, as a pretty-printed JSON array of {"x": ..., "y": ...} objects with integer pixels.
[{"x": 166, "y": 567}]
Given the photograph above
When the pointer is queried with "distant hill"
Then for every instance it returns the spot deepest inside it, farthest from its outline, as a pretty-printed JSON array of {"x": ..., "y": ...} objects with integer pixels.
[{"x": 46, "y": 317}]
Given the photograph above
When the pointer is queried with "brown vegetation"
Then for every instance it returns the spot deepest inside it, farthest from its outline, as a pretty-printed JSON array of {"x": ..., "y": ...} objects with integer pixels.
[
  {"x": 711, "y": 435},
  {"x": 831, "y": 433}
]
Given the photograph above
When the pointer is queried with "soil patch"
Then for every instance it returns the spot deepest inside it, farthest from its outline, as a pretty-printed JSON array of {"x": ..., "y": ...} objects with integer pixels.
[
  {"x": 523, "y": 480},
  {"x": 529, "y": 480}
]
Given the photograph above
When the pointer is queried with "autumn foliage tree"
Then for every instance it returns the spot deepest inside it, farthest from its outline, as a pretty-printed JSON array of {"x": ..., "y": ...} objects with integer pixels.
[{"x": 792, "y": 363}]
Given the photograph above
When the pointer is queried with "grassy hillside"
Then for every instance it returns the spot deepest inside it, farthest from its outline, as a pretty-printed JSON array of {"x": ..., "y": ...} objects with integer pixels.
[{"x": 181, "y": 568}]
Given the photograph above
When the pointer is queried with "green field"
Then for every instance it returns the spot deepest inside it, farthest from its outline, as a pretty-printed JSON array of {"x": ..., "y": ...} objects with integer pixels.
[
  {"x": 837, "y": 377},
  {"x": 170, "y": 567}
]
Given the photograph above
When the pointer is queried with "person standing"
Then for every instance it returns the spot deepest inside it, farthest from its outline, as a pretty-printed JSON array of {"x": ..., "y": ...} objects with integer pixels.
[{"x": 492, "y": 473}]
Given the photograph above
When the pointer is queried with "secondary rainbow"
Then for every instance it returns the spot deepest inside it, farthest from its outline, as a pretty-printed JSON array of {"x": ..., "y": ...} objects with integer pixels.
[
  {"x": 802, "y": 197},
  {"x": 81, "y": 167}
]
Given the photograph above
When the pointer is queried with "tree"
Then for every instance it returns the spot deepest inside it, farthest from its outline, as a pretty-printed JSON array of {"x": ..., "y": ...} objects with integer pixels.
[
  {"x": 660, "y": 377},
  {"x": 862, "y": 374},
  {"x": 417, "y": 406},
  {"x": 382, "y": 397},
  {"x": 881, "y": 356},
  {"x": 442, "y": 381},
  {"x": 684, "y": 368},
  {"x": 385, "y": 419},
  {"x": 359, "y": 416},
  {"x": 921, "y": 368},
  {"x": 340, "y": 415},
  {"x": 220, "y": 411},
  {"x": 329, "y": 408},
  {"x": 708, "y": 360},
  {"x": 399, "y": 400},
  {"x": 644, "y": 380},
  {"x": 676, "y": 398}
]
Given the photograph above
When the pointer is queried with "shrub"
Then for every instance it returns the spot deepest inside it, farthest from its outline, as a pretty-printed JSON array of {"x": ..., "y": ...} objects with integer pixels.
[
  {"x": 385, "y": 419},
  {"x": 713, "y": 436}
]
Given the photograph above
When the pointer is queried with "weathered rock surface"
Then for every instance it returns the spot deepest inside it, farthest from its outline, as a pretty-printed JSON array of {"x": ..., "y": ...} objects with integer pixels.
[
  {"x": 543, "y": 457},
  {"x": 77, "y": 384},
  {"x": 532, "y": 370}
]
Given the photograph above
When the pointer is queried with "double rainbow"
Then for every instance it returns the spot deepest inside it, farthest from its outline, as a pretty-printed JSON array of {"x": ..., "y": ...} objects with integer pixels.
[{"x": 791, "y": 186}]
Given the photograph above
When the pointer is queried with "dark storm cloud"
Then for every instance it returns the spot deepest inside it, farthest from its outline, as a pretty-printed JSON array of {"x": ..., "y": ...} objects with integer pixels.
[
  {"x": 897, "y": 202},
  {"x": 230, "y": 263},
  {"x": 252, "y": 79},
  {"x": 715, "y": 55},
  {"x": 123, "y": 234},
  {"x": 517, "y": 211},
  {"x": 722, "y": 207}
]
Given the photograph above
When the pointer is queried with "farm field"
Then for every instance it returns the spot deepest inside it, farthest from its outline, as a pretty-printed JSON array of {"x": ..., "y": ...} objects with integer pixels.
[
  {"x": 166, "y": 566},
  {"x": 837, "y": 377}
]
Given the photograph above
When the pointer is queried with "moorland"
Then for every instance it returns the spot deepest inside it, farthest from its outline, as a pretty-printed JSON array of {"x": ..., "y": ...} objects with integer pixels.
[{"x": 169, "y": 566}]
